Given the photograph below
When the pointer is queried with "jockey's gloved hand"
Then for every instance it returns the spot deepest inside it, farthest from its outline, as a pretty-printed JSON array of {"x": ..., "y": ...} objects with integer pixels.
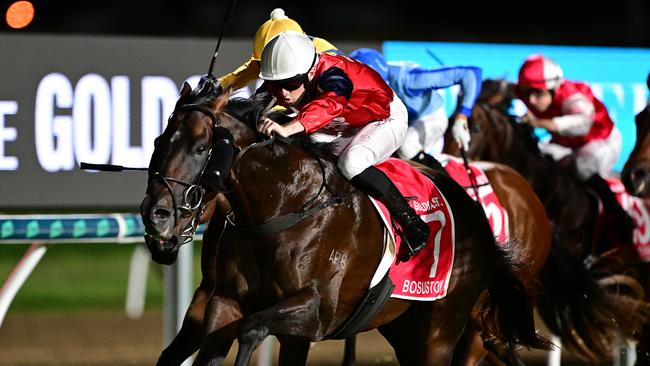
[
  {"x": 211, "y": 79},
  {"x": 460, "y": 133}
]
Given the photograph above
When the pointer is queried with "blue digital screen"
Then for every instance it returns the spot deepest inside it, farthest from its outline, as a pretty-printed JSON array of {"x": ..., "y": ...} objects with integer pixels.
[{"x": 616, "y": 75}]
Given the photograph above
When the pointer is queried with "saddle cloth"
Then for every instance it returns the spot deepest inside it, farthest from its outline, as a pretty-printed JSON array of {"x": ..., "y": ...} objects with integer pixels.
[
  {"x": 638, "y": 209},
  {"x": 426, "y": 275},
  {"x": 494, "y": 210}
]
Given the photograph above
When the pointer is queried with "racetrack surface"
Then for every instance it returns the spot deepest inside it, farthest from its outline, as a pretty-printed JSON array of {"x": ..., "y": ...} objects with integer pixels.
[{"x": 111, "y": 339}]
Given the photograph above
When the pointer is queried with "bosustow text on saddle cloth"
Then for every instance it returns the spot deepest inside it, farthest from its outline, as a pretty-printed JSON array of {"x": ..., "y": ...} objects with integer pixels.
[{"x": 426, "y": 275}]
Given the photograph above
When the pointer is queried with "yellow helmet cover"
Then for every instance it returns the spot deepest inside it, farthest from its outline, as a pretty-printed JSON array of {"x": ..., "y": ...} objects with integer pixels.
[{"x": 277, "y": 24}]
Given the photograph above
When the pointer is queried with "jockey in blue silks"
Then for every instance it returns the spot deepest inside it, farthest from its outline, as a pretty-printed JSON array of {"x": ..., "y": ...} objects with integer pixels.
[{"x": 416, "y": 87}]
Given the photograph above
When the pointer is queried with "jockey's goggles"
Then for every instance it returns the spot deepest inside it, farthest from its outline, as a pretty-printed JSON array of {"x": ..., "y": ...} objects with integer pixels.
[
  {"x": 524, "y": 92},
  {"x": 293, "y": 83}
]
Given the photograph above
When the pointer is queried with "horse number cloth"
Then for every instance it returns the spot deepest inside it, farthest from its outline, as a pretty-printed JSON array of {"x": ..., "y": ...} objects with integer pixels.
[
  {"x": 426, "y": 275},
  {"x": 496, "y": 214},
  {"x": 638, "y": 209}
]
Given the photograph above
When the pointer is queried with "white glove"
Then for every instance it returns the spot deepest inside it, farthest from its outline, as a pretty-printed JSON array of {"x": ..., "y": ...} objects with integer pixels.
[{"x": 460, "y": 132}]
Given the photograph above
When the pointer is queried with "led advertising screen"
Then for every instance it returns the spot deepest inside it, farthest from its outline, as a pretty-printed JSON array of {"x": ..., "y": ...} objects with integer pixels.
[
  {"x": 616, "y": 75},
  {"x": 66, "y": 100}
]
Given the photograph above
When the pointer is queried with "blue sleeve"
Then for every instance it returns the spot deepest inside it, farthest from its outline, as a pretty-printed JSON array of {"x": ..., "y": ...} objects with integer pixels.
[
  {"x": 336, "y": 80},
  {"x": 468, "y": 77}
]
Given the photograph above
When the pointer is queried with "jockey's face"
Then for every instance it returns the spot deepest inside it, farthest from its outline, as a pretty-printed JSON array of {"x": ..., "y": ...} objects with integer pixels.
[
  {"x": 292, "y": 97},
  {"x": 293, "y": 91},
  {"x": 539, "y": 99}
]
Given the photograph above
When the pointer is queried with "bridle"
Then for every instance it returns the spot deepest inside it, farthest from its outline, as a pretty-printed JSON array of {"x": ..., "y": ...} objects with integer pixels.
[{"x": 192, "y": 204}]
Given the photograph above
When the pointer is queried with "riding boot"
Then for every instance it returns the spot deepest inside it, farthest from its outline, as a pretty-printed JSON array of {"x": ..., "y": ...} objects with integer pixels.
[
  {"x": 374, "y": 182},
  {"x": 428, "y": 160},
  {"x": 624, "y": 222}
]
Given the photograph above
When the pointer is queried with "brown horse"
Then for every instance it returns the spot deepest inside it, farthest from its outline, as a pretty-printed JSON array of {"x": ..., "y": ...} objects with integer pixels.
[
  {"x": 497, "y": 136},
  {"x": 530, "y": 227},
  {"x": 636, "y": 172},
  {"x": 283, "y": 283}
]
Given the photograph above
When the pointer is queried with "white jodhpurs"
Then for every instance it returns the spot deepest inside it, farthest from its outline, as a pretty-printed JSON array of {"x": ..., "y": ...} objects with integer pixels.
[
  {"x": 597, "y": 156},
  {"x": 425, "y": 134},
  {"x": 371, "y": 144}
]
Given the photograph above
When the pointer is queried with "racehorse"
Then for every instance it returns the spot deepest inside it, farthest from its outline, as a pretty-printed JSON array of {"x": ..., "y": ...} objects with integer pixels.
[
  {"x": 636, "y": 172},
  {"x": 498, "y": 136},
  {"x": 284, "y": 283}
]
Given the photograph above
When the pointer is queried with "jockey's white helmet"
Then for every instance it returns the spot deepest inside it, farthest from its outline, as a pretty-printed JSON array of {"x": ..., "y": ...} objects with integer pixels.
[{"x": 287, "y": 55}]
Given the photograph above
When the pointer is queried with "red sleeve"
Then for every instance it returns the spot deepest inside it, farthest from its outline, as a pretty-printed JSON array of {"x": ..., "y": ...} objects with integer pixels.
[{"x": 321, "y": 111}]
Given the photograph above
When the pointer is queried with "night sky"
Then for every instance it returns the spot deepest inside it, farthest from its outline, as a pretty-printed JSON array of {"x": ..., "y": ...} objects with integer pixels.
[{"x": 596, "y": 22}]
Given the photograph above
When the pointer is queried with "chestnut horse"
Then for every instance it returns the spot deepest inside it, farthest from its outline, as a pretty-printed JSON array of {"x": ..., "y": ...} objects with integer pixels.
[
  {"x": 585, "y": 324},
  {"x": 282, "y": 282}
]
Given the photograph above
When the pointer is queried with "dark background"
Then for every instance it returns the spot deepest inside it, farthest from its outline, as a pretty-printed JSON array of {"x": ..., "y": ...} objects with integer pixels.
[{"x": 613, "y": 22}]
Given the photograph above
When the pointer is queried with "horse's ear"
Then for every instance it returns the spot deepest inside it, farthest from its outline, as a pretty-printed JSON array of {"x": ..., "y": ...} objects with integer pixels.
[{"x": 186, "y": 89}]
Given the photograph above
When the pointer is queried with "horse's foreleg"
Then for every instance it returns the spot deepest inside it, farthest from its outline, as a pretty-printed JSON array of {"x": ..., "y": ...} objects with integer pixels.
[
  {"x": 350, "y": 356},
  {"x": 189, "y": 337},
  {"x": 221, "y": 326},
  {"x": 293, "y": 351},
  {"x": 294, "y": 316}
]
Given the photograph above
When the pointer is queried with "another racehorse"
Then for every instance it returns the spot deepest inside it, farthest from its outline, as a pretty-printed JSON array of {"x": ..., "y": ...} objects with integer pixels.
[
  {"x": 498, "y": 136},
  {"x": 636, "y": 173},
  {"x": 285, "y": 283}
]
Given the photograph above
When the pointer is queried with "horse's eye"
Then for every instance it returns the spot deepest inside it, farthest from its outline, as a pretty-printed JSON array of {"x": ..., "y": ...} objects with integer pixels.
[{"x": 201, "y": 149}]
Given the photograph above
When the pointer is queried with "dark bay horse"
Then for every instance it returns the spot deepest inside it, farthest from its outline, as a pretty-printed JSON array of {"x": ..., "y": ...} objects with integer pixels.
[
  {"x": 285, "y": 283},
  {"x": 636, "y": 172},
  {"x": 498, "y": 136}
]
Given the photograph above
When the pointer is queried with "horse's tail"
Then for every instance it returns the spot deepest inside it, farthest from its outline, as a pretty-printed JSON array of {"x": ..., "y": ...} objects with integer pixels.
[
  {"x": 508, "y": 319},
  {"x": 579, "y": 308}
]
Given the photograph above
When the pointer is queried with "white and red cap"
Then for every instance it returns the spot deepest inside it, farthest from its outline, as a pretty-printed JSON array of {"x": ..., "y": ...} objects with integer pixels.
[{"x": 540, "y": 72}]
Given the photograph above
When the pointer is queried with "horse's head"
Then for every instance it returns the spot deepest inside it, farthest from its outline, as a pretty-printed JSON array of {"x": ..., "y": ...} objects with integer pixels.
[
  {"x": 636, "y": 173},
  {"x": 492, "y": 128},
  {"x": 182, "y": 178}
]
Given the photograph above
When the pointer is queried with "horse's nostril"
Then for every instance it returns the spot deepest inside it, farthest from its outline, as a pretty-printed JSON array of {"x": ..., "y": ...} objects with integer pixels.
[{"x": 161, "y": 214}]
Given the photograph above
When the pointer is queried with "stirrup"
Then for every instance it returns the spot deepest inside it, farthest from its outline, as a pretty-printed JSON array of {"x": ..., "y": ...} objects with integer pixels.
[{"x": 423, "y": 235}]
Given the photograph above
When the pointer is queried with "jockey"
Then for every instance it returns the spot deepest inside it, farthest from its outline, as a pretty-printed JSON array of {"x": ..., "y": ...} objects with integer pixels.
[
  {"x": 577, "y": 120},
  {"x": 250, "y": 70},
  {"x": 342, "y": 101},
  {"x": 416, "y": 87}
]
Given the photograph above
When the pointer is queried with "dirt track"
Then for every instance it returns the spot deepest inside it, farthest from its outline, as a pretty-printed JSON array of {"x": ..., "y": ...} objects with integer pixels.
[
  {"x": 111, "y": 339},
  {"x": 108, "y": 339}
]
